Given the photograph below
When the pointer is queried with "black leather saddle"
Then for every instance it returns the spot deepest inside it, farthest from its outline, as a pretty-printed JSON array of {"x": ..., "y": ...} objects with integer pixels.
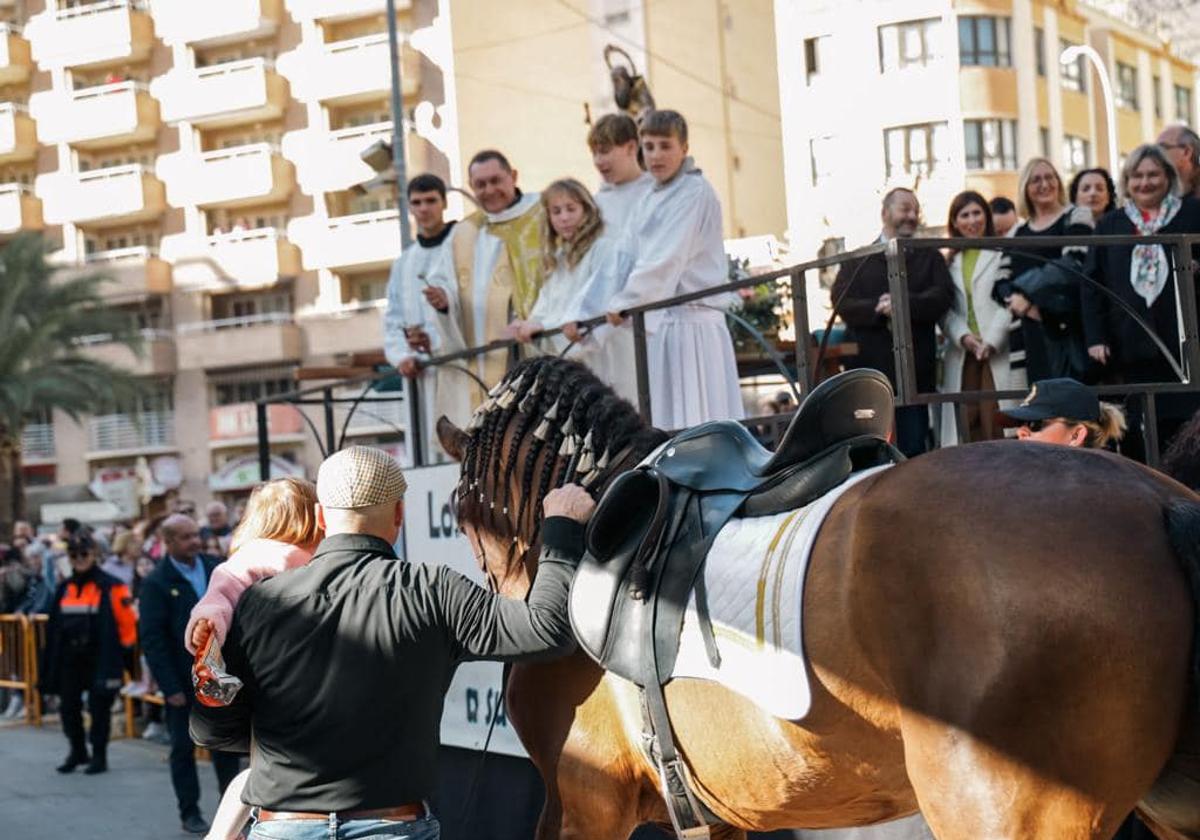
[
  {"x": 650, "y": 533},
  {"x": 652, "y": 529}
]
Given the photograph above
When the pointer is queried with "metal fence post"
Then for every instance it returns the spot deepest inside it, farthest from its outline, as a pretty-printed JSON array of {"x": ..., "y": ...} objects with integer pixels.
[
  {"x": 902, "y": 343},
  {"x": 642, "y": 365},
  {"x": 264, "y": 443},
  {"x": 1150, "y": 429},
  {"x": 331, "y": 442},
  {"x": 1185, "y": 279},
  {"x": 801, "y": 328},
  {"x": 416, "y": 431}
]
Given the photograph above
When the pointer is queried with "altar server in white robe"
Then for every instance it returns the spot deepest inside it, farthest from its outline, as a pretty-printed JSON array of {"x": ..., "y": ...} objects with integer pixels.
[
  {"x": 674, "y": 240},
  {"x": 410, "y": 332},
  {"x": 577, "y": 262},
  {"x": 613, "y": 141}
]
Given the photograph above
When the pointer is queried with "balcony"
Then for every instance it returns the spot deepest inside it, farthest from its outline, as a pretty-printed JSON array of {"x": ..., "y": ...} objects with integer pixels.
[
  {"x": 157, "y": 358},
  {"x": 253, "y": 258},
  {"x": 334, "y": 164},
  {"x": 344, "y": 71},
  {"x": 143, "y": 433},
  {"x": 239, "y": 176},
  {"x": 235, "y": 342},
  {"x": 353, "y": 329},
  {"x": 37, "y": 444},
  {"x": 237, "y": 424},
  {"x": 19, "y": 209},
  {"x": 18, "y": 135},
  {"x": 100, "y": 116},
  {"x": 91, "y": 35},
  {"x": 340, "y": 9},
  {"x": 233, "y": 93},
  {"x": 116, "y": 195},
  {"x": 15, "y": 60},
  {"x": 133, "y": 273},
  {"x": 216, "y": 22},
  {"x": 361, "y": 240}
]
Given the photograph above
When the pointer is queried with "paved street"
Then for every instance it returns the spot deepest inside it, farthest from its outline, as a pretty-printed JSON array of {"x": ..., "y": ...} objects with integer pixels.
[{"x": 132, "y": 801}]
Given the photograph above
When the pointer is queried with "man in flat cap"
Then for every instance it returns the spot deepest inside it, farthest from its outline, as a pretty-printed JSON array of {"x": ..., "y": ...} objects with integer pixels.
[{"x": 346, "y": 661}]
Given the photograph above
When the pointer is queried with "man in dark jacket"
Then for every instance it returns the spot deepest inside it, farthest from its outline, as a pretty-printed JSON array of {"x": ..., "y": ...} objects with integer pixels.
[
  {"x": 90, "y": 636},
  {"x": 346, "y": 661},
  {"x": 865, "y": 304},
  {"x": 166, "y": 600}
]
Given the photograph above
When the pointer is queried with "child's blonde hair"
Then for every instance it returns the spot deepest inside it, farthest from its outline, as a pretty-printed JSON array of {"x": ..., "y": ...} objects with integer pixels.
[
  {"x": 282, "y": 509},
  {"x": 589, "y": 230}
]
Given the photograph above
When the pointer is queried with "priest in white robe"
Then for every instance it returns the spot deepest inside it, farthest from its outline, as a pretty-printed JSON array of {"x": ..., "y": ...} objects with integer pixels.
[
  {"x": 496, "y": 256},
  {"x": 410, "y": 333},
  {"x": 675, "y": 242}
]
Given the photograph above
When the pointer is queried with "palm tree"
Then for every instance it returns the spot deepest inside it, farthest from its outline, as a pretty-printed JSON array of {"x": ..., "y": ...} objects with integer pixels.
[{"x": 43, "y": 365}]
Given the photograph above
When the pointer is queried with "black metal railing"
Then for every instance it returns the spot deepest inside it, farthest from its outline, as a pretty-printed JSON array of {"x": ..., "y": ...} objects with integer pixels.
[{"x": 1183, "y": 246}]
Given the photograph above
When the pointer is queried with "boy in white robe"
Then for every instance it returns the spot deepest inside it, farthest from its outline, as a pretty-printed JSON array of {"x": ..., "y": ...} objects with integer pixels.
[
  {"x": 613, "y": 141},
  {"x": 674, "y": 239},
  {"x": 410, "y": 331}
]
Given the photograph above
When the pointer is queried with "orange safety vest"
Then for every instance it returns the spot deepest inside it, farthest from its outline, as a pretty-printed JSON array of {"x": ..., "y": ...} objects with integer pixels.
[{"x": 85, "y": 600}]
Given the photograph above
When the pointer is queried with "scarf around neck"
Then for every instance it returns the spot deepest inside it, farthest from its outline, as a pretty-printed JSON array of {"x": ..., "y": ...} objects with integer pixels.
[{"x": 1149, "y": 269}]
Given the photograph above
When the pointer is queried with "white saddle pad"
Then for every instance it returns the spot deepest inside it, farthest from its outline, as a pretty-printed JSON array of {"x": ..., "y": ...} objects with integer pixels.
[{"x": 755, "y": 575}]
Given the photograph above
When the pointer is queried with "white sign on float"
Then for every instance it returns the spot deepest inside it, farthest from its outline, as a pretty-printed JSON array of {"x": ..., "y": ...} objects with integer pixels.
[{"x": 431, "y": 535}]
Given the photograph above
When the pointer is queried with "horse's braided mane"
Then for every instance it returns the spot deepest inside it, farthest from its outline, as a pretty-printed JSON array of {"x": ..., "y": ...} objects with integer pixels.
[{"x": 550, "y": 421}]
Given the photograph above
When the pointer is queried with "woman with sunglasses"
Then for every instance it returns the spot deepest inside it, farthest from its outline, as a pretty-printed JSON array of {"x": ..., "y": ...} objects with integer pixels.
[
  {"x": 89, "y": 642},
  {"x": 1065, "y": 412}
]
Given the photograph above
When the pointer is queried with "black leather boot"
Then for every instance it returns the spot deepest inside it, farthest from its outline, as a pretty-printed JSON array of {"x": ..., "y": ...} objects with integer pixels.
[
  {"x": 78, "y": 756},
  {"x": 99, "y": 762}
]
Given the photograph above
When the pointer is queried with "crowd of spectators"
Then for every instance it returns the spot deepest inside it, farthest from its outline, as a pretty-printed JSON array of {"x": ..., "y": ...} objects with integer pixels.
[{"x": 1003, "y": 319}]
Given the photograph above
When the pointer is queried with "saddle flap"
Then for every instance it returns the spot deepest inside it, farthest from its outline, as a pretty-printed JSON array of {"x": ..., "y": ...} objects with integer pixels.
[{"x": 630, "y": 514}]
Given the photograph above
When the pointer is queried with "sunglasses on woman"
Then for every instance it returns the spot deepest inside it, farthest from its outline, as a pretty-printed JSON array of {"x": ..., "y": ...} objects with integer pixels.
[{"x": 1036, "y": 426}]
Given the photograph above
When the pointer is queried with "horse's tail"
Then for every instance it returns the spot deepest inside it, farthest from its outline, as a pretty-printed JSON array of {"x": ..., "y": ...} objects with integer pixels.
[
  {"x": 1174, "y": 801},
  {"x": 1182, "y": 518}
]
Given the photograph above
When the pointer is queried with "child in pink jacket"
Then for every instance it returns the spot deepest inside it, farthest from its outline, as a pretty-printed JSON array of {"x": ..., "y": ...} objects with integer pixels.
[{"x": 278, "y": 532}]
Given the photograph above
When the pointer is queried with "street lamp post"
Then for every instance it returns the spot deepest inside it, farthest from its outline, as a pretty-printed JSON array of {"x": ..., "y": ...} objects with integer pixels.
[
  {"x": 1069, "y": 56},
  {"x": 398, "y": 127}
]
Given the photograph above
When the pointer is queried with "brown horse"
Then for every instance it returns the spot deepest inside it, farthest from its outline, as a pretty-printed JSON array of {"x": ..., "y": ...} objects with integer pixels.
[{"x": 998, "y": 634}]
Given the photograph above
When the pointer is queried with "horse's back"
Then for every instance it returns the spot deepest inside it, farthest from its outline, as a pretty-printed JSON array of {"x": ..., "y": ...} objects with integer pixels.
[{"x": 1023, "y": 596}]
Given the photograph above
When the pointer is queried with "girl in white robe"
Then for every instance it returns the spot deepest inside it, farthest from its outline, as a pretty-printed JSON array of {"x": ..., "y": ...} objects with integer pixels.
[
  {"x": 578, "y": 257},
  {"x": 674, "y": 240}
]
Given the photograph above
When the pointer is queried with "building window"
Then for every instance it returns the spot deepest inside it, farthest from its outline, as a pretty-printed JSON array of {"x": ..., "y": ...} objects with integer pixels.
[
  {"x": 984, "y": 41},
  {"x": 914, "y": 149},
  {"x": 1044, "y": 142},
  {"x": 1127, "y": 86},
  {"x": 243, "y": 309},
  {"x": 365, "y": 288},
  {"x": 812, "y": 59},
  {"x": 821, "y": 153},
  {"x": 907, "y": 44},
  {"x": 1039, "y": 50},
  {"x": 1183, "y": 104},
  {"x": 250, "y": 384},
  {"x": 1075, "y": 153},
  {"x": 1158, "y": 103},
  {"x": 1074, "y": 75},
  {"x": 990, "y": 144}
]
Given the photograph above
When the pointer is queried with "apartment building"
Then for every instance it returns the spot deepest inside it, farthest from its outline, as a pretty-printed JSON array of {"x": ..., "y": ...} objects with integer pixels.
[
  {"x": 205, "y": 155},
  {"x": 939, "y": 95}
]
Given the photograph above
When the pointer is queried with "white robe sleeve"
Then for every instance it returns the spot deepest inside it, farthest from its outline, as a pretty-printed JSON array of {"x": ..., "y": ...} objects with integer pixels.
[
  {"x": 659, "y": 258},
  {"x": 395, "y": 317},
  {"x": 608, "y": 263}
]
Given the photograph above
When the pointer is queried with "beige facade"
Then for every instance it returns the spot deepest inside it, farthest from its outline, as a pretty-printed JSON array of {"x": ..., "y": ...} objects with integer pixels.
[
  {"x": 203, "y": 155},
  {"x": 946, "y": 95}
]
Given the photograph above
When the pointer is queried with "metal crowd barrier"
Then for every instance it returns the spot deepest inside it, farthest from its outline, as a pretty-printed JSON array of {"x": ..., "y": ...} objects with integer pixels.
[{"x": 1183, "y": 246}]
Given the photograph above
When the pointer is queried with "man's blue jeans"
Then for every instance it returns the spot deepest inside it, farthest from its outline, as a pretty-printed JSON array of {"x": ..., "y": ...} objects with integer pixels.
[{"x": 426, "y": 828}]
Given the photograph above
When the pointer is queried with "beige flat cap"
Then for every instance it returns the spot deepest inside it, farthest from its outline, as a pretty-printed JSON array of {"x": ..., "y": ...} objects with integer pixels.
[{"x": 359, "y": 476}]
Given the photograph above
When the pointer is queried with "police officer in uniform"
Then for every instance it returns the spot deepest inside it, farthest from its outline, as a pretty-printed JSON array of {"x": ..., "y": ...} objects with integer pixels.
[{"x": 89, "y": 643}]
